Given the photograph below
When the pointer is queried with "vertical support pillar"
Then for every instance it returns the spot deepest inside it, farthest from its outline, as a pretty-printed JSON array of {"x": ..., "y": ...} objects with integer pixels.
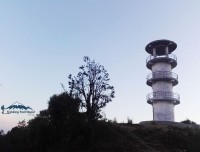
[
  {"x": 167, "y": 51},
  {"x": 154, "y": 52}
]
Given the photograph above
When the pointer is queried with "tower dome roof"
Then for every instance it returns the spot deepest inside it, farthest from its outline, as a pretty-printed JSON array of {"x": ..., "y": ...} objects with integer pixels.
[{"x": 160, "y": 46}]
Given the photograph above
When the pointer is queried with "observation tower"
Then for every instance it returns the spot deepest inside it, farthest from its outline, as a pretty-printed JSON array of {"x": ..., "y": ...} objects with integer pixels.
[{"x": 162, "y": 79}]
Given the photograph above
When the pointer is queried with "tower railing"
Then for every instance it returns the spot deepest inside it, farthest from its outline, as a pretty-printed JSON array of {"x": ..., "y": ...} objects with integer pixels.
[
  {"x": 162, "y": 74},
  {"x": 170, "y": 56},
  {"x": 165, "y": 96}
]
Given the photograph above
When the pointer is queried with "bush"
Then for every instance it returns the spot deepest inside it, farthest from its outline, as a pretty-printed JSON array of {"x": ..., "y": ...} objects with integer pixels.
[{"x": 188, "y": 121}]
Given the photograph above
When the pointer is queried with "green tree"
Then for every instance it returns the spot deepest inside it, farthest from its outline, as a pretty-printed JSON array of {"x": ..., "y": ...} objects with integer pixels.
[
  {"x": 21, "y": 124},
  {"x": 1, "y": 132},
  {"x": 54, "y": 127},
  {"x": 40, "y": 134},
  {"x": 62, "y": 107},
  {"x": 63, "y": 112},
  {"x": 91, "y": 85}
]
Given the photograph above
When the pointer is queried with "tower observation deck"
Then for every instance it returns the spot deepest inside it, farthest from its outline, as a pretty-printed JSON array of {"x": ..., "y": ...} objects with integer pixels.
[{"x": 161, "y": 62}]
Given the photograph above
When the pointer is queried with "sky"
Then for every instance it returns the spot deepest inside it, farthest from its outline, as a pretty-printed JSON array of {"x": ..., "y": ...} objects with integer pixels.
[{"x": 42, "y": 42}]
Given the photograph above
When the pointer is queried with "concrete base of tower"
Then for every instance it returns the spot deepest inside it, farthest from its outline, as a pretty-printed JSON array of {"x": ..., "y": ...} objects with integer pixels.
[{"x": 163, "y": 111}]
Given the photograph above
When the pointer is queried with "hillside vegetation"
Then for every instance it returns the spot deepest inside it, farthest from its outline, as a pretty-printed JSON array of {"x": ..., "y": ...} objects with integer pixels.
[
  {"x": 63, "y": 128},
  {"x": 101, "y": 137}
]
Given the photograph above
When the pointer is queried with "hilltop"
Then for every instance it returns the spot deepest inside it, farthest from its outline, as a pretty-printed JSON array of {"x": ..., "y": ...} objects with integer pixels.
[
  {"x": 63, "y": 128},
  {"x": 104, "y": 137}
]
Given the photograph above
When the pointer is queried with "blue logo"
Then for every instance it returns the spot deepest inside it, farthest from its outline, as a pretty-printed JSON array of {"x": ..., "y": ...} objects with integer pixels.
[{"x": 17, "y": 108}]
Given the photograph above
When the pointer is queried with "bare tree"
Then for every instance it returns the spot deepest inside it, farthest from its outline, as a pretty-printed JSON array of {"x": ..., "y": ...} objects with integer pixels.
[{"x": 91, "y": 86}]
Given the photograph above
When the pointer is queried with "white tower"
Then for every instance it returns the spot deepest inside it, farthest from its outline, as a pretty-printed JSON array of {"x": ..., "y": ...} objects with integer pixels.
[{"x": 161, "y": 62}]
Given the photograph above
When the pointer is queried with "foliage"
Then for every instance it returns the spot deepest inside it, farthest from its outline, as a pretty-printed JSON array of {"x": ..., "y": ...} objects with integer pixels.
[
  {"x": 129, "y": 121},
  {"x": 61, "y": 127},
  {"x": 115, "y": 120},
  {"x": 62, "y": 107},
  {"x": 76, "y": 135},
  {"x": 21, "y": 124},
  {"x": 92, "y": 87},
  {"x": 1, "y": 132},
  {"x": 188, "y": 121}
]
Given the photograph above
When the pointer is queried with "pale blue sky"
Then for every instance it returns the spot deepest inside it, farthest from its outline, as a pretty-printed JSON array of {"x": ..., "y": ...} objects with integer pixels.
[{"x": 42, "y": 42}]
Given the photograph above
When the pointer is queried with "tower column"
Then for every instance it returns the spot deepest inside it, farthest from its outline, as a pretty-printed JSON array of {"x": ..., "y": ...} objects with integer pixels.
[
  {"x": 166, "y": 51},
  {"x": 162, "y": 79},
  {"x": 154, "y": 52}
]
